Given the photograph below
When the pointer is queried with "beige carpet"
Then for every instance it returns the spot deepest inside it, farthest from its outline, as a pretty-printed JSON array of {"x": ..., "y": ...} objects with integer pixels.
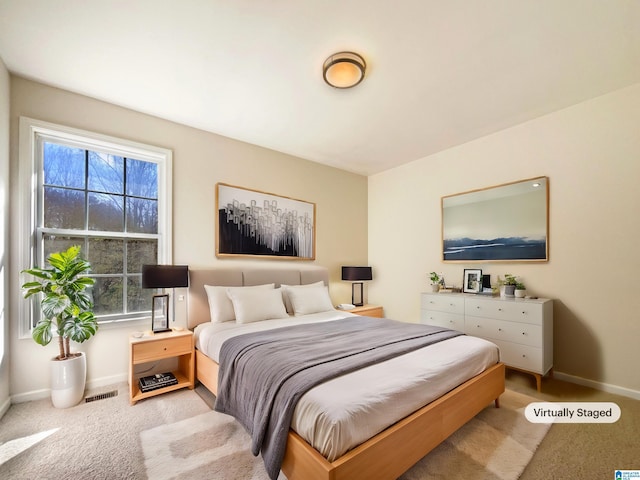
[
  {"x": 496, "y": 444},
  {"x": 177, "y": 436}
]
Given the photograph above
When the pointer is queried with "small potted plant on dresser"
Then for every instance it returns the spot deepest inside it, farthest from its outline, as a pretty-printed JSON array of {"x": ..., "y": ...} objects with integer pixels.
[
  {"x": 435, "y": 281},
  {"x": 507, "y": 285},
  {"x": 521, "y": 290},
  {"x": 67, "y": 311}
]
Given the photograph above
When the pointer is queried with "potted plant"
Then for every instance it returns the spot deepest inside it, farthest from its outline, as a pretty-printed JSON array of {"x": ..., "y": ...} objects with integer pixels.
[
  {"x": 436, "y": 280},
  {"x": 520, "y": 290},
  {"x": 67, "y": 311},
  {"x": 507, "y": 285}
]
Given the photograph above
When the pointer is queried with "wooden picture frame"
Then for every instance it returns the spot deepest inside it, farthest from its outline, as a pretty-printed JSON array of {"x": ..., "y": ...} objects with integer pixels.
[
  {"x": 472, "y": 280},
  {"x": 502, "y": 223},
  {"x": 256, "y": 224}
]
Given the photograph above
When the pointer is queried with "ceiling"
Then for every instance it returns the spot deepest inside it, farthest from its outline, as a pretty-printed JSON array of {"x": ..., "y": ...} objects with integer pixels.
[{"x": 440, "y": 73}]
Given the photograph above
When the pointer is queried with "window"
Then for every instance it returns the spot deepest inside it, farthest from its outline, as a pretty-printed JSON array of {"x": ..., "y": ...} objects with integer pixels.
[{"x": 110, "y": 196}]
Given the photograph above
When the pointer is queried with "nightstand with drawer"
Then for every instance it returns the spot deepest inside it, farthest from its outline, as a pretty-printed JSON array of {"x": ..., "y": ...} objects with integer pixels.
[
  {"x": 368, "y": 311},
  {"x": 159, "y": 346}
]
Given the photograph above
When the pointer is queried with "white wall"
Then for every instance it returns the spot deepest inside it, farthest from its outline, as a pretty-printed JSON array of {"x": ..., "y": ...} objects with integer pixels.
[
  {"x": 200, "y": 159},
  {"x": 4, "y": 238},
  {"x": 591, "y": 154}
]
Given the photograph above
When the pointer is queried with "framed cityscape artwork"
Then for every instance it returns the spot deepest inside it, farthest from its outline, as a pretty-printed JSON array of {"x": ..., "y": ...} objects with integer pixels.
[{"x": 260, "y": 224}]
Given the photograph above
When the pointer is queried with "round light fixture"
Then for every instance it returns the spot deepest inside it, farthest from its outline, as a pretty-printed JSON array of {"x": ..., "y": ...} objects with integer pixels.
[{"x": 344, "y": 69}]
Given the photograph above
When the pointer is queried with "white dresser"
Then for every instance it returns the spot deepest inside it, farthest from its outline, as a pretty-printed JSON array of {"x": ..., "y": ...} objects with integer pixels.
[{"x": 521, "y": 328}]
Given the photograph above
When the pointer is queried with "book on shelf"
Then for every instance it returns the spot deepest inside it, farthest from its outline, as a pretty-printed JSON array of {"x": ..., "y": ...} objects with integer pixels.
[{"x": 159, "y": 380}]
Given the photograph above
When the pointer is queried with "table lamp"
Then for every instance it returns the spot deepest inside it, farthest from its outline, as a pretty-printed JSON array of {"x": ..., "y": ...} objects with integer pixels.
[
  {"x": 356, "y": 275},
  {"x": 163, "y": 276}
]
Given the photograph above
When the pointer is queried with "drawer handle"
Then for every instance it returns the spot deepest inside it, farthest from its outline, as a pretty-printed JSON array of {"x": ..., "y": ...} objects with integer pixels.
[
  {"x": 524, "y": 333},
  {"x": 524, "y": 313},
  {"x": 524, "y": 356},
  {"x": 499, "y": 329},
  {"x": 499, "y": 309},
  {"x": 478, "y": 307},
  {"x": 478, "y": 326}
]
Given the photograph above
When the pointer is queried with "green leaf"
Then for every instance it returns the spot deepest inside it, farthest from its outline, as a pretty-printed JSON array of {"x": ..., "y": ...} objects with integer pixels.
[
  {"x": 82, "y": 327},
  {"x": 85, "y": 281},
  {"x": 54, "y": 305},
  {"x": 26, "y": 293},
  {"x": 42, "y": 333}
]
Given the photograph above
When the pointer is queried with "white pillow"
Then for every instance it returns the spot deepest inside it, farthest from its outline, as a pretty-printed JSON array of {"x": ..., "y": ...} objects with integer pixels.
[
  {"x": 285, "y": 293},
  {"x": 220, "y": 306},
  {"x": 256, "y": 304},
  {"x": 310, "y": 300}
]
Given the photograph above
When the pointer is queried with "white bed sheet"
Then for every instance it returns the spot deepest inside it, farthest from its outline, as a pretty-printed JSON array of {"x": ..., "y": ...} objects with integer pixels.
[{"x": 341, "y": 413}]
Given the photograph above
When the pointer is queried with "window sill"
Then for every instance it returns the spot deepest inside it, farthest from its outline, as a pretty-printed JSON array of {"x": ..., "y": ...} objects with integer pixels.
[
  {"x": 125, "y": 323},
  {"x": 135, "y": 323}
]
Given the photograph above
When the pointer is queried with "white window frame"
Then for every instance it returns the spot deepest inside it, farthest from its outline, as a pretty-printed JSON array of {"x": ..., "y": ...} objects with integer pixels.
[{"x": 30, "y": 176}]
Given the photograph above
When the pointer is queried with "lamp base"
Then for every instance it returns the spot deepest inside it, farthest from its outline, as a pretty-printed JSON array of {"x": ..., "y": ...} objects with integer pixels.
[{"x": 359, "y": 303}]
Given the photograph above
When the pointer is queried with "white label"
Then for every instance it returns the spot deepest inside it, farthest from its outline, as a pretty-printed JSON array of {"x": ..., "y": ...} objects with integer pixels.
[{"x": 572, "y": 412}]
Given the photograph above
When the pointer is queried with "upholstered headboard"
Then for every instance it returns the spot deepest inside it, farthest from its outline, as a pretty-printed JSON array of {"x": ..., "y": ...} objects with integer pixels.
[{"x": 198, "y": 311}]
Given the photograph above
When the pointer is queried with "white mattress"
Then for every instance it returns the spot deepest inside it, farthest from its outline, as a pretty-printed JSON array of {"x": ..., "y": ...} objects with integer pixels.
[{"x": 342, "y": 413}]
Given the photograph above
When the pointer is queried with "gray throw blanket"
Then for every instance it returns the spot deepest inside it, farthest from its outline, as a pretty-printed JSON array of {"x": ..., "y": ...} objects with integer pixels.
[{"x": 263, "y": 375}]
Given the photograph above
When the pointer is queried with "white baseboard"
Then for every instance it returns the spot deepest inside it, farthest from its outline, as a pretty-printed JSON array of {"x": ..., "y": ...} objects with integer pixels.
[
  {"x": 46, "y": 393},
  {"x": 104, "y": 381},
  {"x": 4, "y": 407},
  {"x": 31, "y": 396},
  {"x": 605, "y": 387}
]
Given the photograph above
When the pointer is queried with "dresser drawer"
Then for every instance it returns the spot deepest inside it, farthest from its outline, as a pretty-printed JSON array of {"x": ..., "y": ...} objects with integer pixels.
[
  {"x": 520, "y": 333},
  {"x": 442, "y": 319},
  {"x": 520, "y": 356},
  {"x": 514, "y": 310},
  {"x": 443, "y": 302},
  {"x": 172, "y": 347}
]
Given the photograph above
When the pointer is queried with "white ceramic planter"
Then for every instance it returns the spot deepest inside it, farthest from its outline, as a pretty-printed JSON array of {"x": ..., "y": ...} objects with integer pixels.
[
  {"x": 67, "y": 381},
  {"x": 507, "y": 291},
  {"x": 520, "y": 293}
]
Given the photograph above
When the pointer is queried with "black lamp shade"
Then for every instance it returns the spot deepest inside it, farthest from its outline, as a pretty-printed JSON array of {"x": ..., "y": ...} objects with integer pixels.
[
  {"x": 356, "y": 274},
  {"x": 165, "y": 276}
]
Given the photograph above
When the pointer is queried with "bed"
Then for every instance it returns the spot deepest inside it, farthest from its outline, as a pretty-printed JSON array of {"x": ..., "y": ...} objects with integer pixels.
[{"x": 387, "y": 450}]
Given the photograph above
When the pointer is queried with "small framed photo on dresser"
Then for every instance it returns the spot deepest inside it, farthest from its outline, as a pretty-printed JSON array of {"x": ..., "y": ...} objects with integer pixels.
[{"x": 472, "y": 281}]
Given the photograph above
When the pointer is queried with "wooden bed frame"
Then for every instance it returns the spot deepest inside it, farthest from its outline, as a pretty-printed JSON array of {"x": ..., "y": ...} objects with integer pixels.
[{"x": 391, "y": 452}]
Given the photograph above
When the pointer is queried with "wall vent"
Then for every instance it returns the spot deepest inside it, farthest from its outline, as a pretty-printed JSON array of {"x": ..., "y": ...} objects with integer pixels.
[{"x": 101, "y": 396}]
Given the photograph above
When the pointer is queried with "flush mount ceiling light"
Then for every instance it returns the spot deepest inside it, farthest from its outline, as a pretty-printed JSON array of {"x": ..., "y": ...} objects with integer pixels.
[{"x": 344, "y": 69}]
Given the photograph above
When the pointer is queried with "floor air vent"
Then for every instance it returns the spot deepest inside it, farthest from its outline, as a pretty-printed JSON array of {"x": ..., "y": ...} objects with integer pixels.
[{"x": 101, "y": 396}]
